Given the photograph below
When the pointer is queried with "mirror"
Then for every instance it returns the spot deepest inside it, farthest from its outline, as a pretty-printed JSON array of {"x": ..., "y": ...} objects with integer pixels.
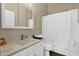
[{"x": 17, "y": 16}]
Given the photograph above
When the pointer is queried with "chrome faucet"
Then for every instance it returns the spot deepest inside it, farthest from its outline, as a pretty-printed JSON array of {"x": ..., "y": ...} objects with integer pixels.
[{"x": 22, "y": 37}]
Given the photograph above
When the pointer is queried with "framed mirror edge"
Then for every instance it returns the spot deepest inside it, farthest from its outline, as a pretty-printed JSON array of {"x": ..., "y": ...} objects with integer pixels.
[{"x": 3, "y": 18}]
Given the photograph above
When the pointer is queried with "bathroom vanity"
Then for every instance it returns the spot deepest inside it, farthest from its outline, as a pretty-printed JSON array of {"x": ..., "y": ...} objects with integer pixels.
[
  {"x": 28, "y": 47},
  {"x": 19, "y": 16},
  {"x": 35, "y": 49}
]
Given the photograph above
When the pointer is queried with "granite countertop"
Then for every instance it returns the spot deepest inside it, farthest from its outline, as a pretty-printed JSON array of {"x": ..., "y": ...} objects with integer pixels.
[{"x": 14, "y": 47}]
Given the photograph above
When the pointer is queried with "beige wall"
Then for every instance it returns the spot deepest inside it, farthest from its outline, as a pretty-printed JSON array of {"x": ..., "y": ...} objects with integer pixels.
[
  {"x": 15, "y": 34},
  {"x": 59, "y": 7},
  {"x": 40, "y": 10}
]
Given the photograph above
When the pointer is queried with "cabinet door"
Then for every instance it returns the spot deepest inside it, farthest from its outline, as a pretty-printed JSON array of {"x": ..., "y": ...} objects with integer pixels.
[{"x": 39, "y": 50}]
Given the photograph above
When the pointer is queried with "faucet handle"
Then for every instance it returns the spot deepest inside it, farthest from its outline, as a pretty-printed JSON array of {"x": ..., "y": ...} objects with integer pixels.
[{"x": 22, "y": 36}]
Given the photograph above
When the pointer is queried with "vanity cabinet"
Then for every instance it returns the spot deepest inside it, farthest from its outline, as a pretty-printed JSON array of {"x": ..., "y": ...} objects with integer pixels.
[{"x": 35, "y": 50}]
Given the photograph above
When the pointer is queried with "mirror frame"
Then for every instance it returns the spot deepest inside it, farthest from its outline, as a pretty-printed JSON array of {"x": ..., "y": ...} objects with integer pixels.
[{"x": 3, "y": 7}]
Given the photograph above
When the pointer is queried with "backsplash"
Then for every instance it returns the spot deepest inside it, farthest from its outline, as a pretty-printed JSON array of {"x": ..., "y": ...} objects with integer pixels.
[{"x": 13, "y": 35}]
